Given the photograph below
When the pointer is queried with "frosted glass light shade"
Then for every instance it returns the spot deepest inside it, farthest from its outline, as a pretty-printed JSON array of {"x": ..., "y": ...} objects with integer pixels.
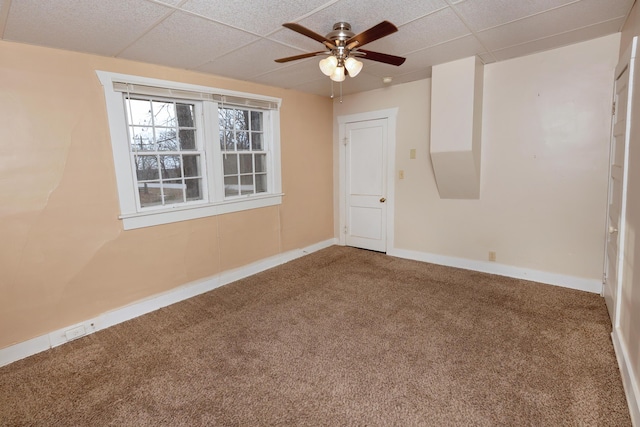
[
  {"x": 353, "y": 66},
  {"x": 328, "y": 65},
  {"x": 338, "y": 75}
]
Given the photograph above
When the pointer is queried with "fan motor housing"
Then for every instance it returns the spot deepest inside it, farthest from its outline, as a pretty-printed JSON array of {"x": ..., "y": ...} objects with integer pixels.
[{"x": 341, "y": 32}]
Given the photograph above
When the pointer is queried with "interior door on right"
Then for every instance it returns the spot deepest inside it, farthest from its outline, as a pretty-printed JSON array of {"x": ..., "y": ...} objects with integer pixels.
[{"x": 615, "y": 211}]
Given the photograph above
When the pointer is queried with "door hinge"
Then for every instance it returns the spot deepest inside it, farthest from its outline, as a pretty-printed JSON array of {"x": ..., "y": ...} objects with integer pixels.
[
  {"x": 346, "y": 141},
  {"x": 345, "y": 229},
  {"x": 613, "y": 109}
]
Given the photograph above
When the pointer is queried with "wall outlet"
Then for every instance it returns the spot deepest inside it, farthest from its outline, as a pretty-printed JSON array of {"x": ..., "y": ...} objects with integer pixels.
[
  {"x": 401, "y": 174},
  {"x": 492, "y": 256},
  {"x": 74, "y": 333}
]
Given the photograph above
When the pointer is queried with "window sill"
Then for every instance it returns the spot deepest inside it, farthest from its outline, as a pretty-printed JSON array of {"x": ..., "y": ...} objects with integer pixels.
[{"x": 135, "y": 220}]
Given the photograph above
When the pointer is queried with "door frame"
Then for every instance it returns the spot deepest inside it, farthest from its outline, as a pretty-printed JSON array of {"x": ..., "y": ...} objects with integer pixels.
[{"x": 391, "y": 116}]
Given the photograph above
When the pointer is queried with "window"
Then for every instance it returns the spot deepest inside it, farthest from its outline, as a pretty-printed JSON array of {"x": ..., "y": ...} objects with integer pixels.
[
  {"x": 245, "y": 158},
  {"x": 184, "y": 151}
]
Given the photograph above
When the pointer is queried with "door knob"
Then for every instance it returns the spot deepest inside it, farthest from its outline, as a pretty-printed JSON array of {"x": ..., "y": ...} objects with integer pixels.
[
  {"x": 612, "y": 229},
  {"x": 382, "y": 200}
]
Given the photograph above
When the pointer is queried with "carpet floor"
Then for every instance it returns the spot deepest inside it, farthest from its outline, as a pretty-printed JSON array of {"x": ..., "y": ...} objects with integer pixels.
[{"x": 339, "y": 337}]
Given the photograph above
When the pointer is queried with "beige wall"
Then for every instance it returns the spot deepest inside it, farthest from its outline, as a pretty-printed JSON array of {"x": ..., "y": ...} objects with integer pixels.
[
  {"x": 64, "y": 256},
  {"x": 629, "y": 329},
  {"x": 546, "y": 125}
]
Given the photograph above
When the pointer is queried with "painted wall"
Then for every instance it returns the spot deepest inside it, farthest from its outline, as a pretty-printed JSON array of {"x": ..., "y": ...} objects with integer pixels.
[
  {"x": 629, "y": 328},
  {"x": 546, "y": 126},
  {"x": 64, "y": 256}
]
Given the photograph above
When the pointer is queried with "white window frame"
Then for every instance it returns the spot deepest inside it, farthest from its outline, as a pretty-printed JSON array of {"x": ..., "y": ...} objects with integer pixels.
[{"x": 134, "y": 217}]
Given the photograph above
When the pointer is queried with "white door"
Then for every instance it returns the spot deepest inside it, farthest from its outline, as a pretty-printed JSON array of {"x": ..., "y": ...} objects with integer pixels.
[
  {"x": 617, "y": 183},
  {"x": 366, "y": 182}
]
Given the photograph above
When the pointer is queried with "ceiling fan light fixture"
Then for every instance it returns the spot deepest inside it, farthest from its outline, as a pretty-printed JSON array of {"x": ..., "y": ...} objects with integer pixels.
[
  {"x": 338, "y": 75},
  {"x": 353, "y": 66},
  {"x": 328, "y": 65}
]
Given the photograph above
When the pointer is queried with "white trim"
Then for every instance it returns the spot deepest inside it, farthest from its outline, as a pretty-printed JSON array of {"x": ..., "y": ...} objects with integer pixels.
[
  {"x": 629, "y": 382},
  {"x": 44, "y": 342},
  {"x": 572, "y": 282},
  {"x": 390, "y": 115}
]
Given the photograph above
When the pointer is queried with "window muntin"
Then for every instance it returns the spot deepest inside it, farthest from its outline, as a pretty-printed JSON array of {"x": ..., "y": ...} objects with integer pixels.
[{"x": 244, "y": 151}]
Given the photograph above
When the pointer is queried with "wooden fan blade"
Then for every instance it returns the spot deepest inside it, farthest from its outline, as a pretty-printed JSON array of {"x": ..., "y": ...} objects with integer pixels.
[
  {"x": 374, "y": 33},
  {"x": 304, "y": 55},
  {"x": 307, "y": 32},
  {"x": 381, "y": 57}
]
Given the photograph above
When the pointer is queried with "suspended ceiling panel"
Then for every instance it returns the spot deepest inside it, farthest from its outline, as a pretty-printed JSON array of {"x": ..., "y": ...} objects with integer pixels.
[{"x": 241, "y": 39}]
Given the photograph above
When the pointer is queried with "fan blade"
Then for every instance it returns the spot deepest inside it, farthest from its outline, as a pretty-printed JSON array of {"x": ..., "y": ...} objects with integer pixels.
[
  {"x": 304, "y": 55},
  {"x": 381, "y": 57},
  {"x": 307, "y": 32},
  {"x": 374, "y": 33}
]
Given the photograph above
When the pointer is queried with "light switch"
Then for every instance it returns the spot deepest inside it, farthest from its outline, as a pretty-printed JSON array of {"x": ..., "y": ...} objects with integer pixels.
[
  {"x": 412, "y": 153},
  {"x": 401, "y": 174}
]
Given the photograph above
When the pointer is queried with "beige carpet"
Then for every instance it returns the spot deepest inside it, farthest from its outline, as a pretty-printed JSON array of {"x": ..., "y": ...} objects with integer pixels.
[{"x": 339, "y": 337}]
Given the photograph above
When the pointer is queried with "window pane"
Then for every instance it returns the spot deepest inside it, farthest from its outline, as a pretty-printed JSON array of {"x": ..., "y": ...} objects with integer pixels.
[
  {"x": 173, "y": 192},
  {"x": 139, "y": 112},
  {"x": 242, "y": 141},
  {"x": 147, "y": 168},
  {"x": 256, "y": 120},
  {"x": 256, "y": 141},
  {"x": 225, "y": 117},
  {"x": 226, "y": 141},
  {"x": 194, "y": 189},
  {"x": 230, "y": 162},
  {"x": 246, "y": 184},
  {"x": 188, "y": 139},
  {"x": 166, "y": 139},
  {"x": 246, "y": 163},
  {"x": 170, "y": 166},
  {"x": 185, "y": 115},
  {"x": 164, "y": 114},
  {"x": 149, "y": 194},
  {"x": 261, "y": 183},
  {"x": 242, "y": 120},
  {"x": 191, "y": 165},
  {"x": 141, "y": 138},
  {"x": 231, "y": 187},
  {"x": 261, "y": 162}
]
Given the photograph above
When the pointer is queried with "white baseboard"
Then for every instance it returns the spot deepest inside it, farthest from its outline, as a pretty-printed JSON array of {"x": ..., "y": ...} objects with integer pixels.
[
  {"x": 55, "y": 338},
  {"x": 629, "y": 377},
  {"x": 588, "y": 285}
]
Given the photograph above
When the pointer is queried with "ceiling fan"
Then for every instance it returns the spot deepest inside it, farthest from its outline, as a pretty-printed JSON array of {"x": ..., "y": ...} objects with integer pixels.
[{"x": 344, "y": 47}]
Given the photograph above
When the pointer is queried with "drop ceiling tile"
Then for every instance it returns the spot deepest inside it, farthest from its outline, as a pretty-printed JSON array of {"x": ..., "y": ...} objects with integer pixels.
[
  {"x": 249, "y": 61},
  {"x": 363, "y": 15},
  {"x": 101, "y": 27},
  {"x": 296, "y": 74},
  {"x": 483, "y": 14},
  {"x": 186, "y": 41},
  {"x": 258, "y": 17},
  {"x": 566, "y": 18},
  {"x": 430, "y": 30},
  {"x": 445, "y": 52},
  {"x": 553, "y": 42},
  {"x": 320, "y": 87},
  {"x": 293, "y": 39},
  {"x": 168, "y": 2}
]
